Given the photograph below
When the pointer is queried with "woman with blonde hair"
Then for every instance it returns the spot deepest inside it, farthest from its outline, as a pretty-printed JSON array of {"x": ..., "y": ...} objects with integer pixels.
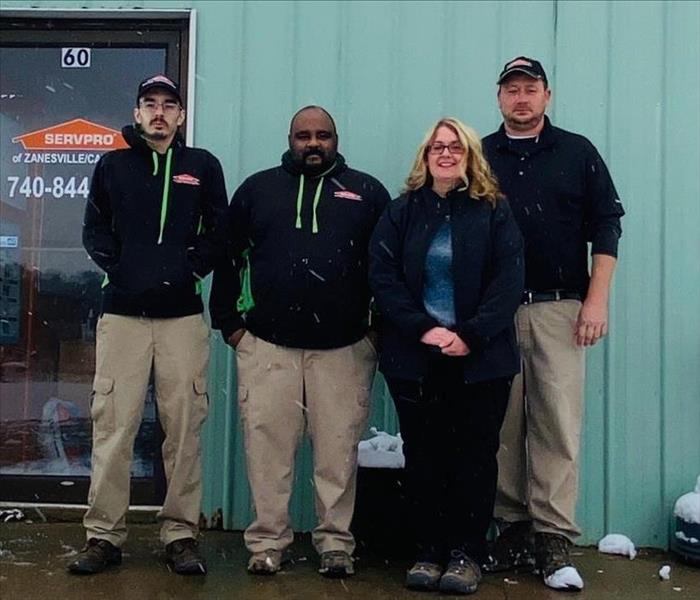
[{"x": 446, "y": 269}]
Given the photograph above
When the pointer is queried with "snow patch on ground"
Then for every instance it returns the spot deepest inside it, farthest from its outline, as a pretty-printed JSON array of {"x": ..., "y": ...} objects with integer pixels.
[
  {"x": 688, "y": 505},
  {"x": 665, "y": 573},
  {"x": 384, "y": 451},
  {"x": 68, "y": 551},
  {"x": 616, "y": 543},
  {"x": 566, "y": 578}
]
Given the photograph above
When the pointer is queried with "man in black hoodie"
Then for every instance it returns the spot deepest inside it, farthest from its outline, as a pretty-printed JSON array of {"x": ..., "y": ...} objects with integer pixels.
[
  {"x": 293, "y": 299},
  {"x": 154, "y": 223}
]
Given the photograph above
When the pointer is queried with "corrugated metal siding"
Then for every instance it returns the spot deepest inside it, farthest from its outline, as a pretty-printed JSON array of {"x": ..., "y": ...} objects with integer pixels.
[{"x": 625, "y": 74}]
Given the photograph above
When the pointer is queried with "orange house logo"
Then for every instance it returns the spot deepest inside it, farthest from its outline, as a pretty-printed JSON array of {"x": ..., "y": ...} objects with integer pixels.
[{"x": 77, "y": 134}]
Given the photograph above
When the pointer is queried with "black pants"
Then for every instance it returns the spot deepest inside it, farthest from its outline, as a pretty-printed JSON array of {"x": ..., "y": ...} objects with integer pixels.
[{"x": 450, "y": 432}]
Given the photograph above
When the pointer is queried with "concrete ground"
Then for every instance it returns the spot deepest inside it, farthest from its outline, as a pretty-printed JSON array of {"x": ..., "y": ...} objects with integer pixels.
[{"x": 33, "y": 558}]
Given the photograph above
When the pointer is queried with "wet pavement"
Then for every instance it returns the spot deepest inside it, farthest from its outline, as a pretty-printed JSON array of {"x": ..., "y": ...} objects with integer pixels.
[{"x": 33, "y": 558}]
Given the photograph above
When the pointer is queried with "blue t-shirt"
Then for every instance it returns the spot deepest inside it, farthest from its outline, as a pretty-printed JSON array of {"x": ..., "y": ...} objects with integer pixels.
[{"x": 439, "y": 288}]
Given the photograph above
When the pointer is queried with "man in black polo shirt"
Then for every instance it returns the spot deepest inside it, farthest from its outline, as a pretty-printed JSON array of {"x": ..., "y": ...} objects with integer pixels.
[{"x": 563, "y": 198}]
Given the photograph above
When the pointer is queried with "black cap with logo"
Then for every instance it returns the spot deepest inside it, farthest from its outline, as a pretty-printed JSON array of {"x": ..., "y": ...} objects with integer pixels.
[
  {"x": 158, "y": 82},
  {"x": 523, "y": 64}
]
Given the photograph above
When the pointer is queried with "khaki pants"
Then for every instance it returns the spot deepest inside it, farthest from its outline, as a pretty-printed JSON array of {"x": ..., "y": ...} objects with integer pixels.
[
  {"x": 279, "y": 390},
  {"x": 538, "y": 459},
  {"x": 127, "y": 347}
]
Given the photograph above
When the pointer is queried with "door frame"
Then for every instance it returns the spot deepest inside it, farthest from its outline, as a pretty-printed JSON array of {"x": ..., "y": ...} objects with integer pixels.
[{"x": 47, "y": 27}]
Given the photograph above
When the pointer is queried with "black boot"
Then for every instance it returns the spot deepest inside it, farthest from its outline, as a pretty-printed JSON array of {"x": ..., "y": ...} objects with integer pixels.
[
  {"x": 184, "y": 558},
  {"x": 514, "y": 548}
]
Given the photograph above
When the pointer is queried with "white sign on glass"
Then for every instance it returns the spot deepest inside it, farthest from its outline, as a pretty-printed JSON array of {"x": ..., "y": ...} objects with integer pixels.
[{"x": 75, "y": 58}]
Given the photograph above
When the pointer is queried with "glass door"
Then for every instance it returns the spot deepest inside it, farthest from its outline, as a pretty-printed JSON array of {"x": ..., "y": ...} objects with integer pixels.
[{"x": 65, "y": 93}]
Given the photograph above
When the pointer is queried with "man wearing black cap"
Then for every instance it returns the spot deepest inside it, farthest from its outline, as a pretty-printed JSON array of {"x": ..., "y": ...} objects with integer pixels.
[
  {"x": 563, "y": 198},
  {"x": 154, "y": 223},
  {"x": 293, "y": 300}
]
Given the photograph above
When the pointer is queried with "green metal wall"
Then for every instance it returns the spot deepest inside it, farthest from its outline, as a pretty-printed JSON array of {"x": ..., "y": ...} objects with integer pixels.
[{"x": 625, "y": 74}]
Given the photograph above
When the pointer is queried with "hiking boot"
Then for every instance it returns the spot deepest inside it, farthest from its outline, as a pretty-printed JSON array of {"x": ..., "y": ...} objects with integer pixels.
[
  {"x": 336, "y": 564},
  {"x": 512, "y": 549},
  {"x": 554, "y": 564},
  {"x": 267, "y": 562},
  {"x": 462, "y": 575},
  {"x": 95, "y": 557},
  {"x": 184, "y": 558},
  {"x": 423, "y": 576}
]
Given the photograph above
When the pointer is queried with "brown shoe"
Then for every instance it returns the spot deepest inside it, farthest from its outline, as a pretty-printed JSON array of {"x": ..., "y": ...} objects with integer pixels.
[
  {"x": 267, "y": 562},
  {"x": 462, "y": 575},
  {"x": 423, "y": 576},
  {"x": 554, "y": 564},
  {"x": 95, "y": 557}
]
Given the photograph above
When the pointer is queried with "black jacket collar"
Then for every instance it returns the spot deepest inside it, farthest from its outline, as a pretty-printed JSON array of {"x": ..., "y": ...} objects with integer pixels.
[{"x": 291, "y": 167}]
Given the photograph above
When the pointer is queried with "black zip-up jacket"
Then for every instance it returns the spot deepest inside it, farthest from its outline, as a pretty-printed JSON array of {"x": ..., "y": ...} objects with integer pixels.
[
  {"x": 487, "y": 266},
  {"x": 296, "y": 274},
  {"x": 562, "y": 197},
  {"x": 155, "y": 224}
]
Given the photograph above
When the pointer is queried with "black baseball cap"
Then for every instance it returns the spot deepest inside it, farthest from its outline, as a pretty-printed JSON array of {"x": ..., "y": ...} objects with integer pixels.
[
  {"x": 522, "y": 64},
  {"x": 159, "y": 82}
]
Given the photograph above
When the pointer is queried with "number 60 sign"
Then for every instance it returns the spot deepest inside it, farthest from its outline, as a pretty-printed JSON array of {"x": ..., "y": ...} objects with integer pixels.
[{"x": 75, "y": 58}]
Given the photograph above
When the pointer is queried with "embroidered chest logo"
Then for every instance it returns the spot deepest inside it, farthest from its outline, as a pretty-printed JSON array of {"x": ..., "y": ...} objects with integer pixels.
[
  {"x": 186, "y": 179},
  {"x": 347, "y": 195}
]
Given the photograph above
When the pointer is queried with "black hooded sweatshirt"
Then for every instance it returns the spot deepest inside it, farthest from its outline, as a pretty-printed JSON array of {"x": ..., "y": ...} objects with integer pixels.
[
  {"x": 155, "y": 224},
  {"x": 296, "y": 271}
]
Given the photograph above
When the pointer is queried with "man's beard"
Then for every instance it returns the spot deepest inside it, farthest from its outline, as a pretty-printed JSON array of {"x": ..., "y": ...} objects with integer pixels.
[
  {"x": 524, "y": 123},
  {"x": 154, "y": 136},
  {"x": 312, "y": 169}
]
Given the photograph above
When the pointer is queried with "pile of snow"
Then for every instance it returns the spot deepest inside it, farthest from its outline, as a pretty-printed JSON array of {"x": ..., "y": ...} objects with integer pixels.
[
  {"x": 616, "y": 543},
  {"x": 688, "y": 505},
  {"x": 566, "y": 578},
  {"x": 665, "y": 573},
  {"x": 691, "y": 540},
  {"x": 383, "y": 451},
  {"x": 11, "y": 514}
]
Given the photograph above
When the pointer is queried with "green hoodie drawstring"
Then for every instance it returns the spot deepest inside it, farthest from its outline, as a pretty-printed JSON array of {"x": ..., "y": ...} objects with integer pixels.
[
  {"x": 300, "y": 196},
  {"x": 317, "y": 198},
  {"x": 166, "y": 193},
  {"x": 154, "y": 155}
]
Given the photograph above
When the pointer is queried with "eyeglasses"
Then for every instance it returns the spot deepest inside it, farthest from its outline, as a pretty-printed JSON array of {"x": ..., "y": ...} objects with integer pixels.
[
  {"x": 438, "y": 148},
  {"x": 169, "y": 106}
]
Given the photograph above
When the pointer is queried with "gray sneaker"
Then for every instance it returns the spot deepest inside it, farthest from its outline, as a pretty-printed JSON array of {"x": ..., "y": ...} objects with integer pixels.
[
  {"x": 462, "y": 575},
  {"x": 267, "y": 562},
  {"x": 423, "y": 576},
  {"x": 336, "y": 564}
]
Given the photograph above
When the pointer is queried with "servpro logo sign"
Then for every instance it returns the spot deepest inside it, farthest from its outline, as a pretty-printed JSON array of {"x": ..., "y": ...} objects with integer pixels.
[
  {"x": 76, "y": 142},
  {"x": 75, "y": 135}
]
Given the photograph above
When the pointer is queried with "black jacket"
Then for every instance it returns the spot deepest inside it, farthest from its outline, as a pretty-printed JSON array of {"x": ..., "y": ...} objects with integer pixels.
[
  {"x": 487, "y": 264},
  {"x": 562, "y": 197},
  {"x": 296, "y": 274},
  {"x": 154, "y": 223}
]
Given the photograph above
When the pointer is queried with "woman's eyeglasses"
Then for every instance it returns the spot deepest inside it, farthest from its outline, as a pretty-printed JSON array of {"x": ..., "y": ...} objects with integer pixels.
[{"x": 438, "y": 148}]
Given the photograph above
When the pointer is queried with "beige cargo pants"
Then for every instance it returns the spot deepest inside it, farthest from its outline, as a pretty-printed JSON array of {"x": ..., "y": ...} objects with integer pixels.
[
  {"x": 178, "y": 350},
  {"x": 279, "y": 390},
  {"x": 538, "y": 460}
]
